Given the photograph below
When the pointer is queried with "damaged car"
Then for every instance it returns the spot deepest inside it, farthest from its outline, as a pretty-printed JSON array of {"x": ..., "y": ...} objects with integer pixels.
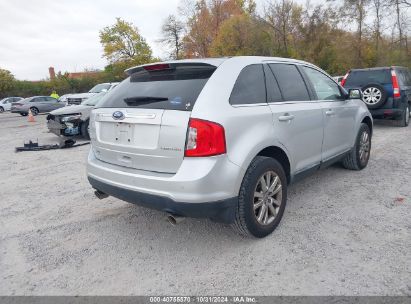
[
  {"x": 73, "y": 120},
  {"x": 76, "y": 99}
]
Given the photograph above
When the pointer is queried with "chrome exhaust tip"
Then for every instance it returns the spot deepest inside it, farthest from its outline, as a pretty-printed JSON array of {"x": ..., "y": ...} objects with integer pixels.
[{"x": 175, "y": 219}]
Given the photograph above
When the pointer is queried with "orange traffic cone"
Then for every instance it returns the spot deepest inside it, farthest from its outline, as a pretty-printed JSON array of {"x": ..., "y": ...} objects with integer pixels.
[{"x": 31, "y": 117}]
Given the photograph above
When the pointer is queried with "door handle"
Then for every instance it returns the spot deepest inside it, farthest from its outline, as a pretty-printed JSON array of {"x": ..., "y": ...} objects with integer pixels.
[
  {"x": 286, "y": 117},
  {"x": 329, "y": 113}
]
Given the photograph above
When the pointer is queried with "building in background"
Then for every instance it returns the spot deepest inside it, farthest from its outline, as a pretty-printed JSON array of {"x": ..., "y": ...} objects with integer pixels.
[{"x": 75, "y": 75}]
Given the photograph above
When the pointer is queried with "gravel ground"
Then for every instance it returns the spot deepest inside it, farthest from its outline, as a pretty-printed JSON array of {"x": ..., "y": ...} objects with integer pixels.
[{"x": 343, "y": 232}]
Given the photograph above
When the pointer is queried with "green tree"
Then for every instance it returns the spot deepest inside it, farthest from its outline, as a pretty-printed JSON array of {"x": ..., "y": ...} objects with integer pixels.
[
  {"x": 124, "y": 47},
  {"x": 242, "y": 35},
  {"x": 6, "y": 82},
  {"x": 123, "y": 42}
]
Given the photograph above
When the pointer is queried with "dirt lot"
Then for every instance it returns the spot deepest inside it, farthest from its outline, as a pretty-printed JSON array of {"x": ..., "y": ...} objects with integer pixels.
[{"x": 343, "y": 232}]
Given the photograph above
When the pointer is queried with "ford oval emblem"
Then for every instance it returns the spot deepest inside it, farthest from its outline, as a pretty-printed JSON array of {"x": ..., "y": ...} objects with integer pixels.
[{"x": 118, "y": 115}]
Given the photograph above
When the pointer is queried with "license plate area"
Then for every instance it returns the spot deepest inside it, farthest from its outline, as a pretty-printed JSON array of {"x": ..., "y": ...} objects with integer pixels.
[{"x": 135, "y": 135}]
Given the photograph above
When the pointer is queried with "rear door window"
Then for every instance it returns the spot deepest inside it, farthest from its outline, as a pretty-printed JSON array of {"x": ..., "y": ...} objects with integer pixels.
[
  {"x": 173, "y": 88},
  {"x": 362, "y": 78},
  {"x": 249, "y": 87},
  {"x": 291, "y": 82}
]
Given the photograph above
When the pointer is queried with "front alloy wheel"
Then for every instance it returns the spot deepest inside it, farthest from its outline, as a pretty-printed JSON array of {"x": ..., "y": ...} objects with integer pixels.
[
  {"x": 357, "y": 158},
  {"x": 364, "y": 147}
]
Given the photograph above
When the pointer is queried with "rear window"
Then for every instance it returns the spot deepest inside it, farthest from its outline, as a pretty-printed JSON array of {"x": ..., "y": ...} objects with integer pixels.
[
  {"x": 176, "y": 88},
  {"x": 362, "y": 78}
]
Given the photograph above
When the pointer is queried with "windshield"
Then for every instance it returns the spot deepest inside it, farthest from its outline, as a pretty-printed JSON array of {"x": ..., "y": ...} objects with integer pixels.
[
  {"x": 93, "y": 100},
  {"x": 100, "y": 87},
  {"x": 176, "y": 88}
]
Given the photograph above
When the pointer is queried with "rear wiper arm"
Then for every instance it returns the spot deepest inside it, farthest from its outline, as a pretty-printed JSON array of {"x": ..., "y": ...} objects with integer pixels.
[{"x": 143, "y": 99}]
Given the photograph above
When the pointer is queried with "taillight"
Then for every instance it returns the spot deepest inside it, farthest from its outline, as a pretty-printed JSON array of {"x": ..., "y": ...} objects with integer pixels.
[
  {"x": 344, "y": 79},
  {"x": 204, "y": 138},
  {"x": 395, "y": 85}
]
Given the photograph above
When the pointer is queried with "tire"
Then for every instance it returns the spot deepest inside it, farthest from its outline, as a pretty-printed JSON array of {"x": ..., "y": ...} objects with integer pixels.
[
  {"x": 404, "y": 120},
  {"x": 246, "y": 217},
  {"x": 34, "y": 111},
  {"x": 24, "y": 114},
  {"x": 374, "y": 96},
  {"x": 355, "y": 160},
  {"x": 1, "y": 109},
  {"x": 84, "y": 129}
]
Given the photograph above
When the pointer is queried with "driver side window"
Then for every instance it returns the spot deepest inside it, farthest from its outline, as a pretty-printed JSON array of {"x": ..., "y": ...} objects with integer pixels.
[{"x": 324, "y": 87}]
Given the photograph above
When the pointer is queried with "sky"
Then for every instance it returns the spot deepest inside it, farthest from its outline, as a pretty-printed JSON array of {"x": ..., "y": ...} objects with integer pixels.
[{"x": 37, "y": 34}]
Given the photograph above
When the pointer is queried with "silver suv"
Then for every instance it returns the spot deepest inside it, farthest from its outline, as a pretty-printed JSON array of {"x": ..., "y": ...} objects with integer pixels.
[{"x": 223, "y": 138}]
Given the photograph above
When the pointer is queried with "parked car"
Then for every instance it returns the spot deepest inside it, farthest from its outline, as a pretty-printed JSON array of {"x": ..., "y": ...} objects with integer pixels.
[
  {"x": 37, "y": 104},
  {"x": 223, "y": 138},
  {"x": 73, "y": 120},
  {"x": 386, "y": 91},
  {"x": 76, "y": 99},
  {"x": 64, "y": 97},
  {"x": 5, "y": 103}
]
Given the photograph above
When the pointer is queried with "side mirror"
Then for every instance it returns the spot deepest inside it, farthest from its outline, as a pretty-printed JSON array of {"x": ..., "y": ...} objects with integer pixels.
[{"x": 355, "y": 94}]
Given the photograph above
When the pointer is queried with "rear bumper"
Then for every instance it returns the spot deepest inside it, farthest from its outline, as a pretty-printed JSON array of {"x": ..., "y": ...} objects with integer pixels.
[
  {"x": 219, "y": 211},
  {"x": 393, "y": 108},
  {"x": 202, "y": 187},
  {"x": 386, "y": 113}
]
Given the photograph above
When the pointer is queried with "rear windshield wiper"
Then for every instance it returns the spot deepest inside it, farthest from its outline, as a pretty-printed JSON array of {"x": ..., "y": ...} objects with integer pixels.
[{"x": 144, "y": 99}]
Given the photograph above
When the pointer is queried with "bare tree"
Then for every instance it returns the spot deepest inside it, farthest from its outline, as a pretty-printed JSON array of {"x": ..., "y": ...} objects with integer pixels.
[
  {"x": 278, "y": 14},
  {"x": 357, "y": 9},
  {"x": 173, "y": 31},
  {"x": 378, "y": 6}
]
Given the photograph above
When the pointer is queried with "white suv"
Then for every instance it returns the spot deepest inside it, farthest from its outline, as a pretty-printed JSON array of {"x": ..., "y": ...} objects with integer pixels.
[{"x": 223, "y": 138}]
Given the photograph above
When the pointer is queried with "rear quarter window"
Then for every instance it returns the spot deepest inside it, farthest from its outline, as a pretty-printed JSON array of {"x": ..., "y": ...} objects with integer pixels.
[
  {"x": 362, "y": 78},
  {"x": 176, "y": 88},
  {"x": 249, "y": 87}
]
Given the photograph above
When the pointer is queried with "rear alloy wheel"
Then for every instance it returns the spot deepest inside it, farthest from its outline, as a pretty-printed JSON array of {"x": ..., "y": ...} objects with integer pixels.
[
  {"x": 262, "y": 199},
  {"x": 1, "y": 109},
  {"x": 34, "y": 111},
  {"x": 358, "y": 157},
  {"x": 374, "y": 96}
]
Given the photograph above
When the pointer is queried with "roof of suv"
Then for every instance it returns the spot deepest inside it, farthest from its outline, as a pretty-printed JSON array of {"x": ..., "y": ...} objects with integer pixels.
[
  {"x": 218, "y": 61},
  {"x": 379, "y": 68}
]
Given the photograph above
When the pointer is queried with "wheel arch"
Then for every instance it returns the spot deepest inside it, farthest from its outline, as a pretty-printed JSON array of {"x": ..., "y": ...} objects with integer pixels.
[
  {"x": 278, "y": 154},
  {"x": 368, "y": 121}
]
